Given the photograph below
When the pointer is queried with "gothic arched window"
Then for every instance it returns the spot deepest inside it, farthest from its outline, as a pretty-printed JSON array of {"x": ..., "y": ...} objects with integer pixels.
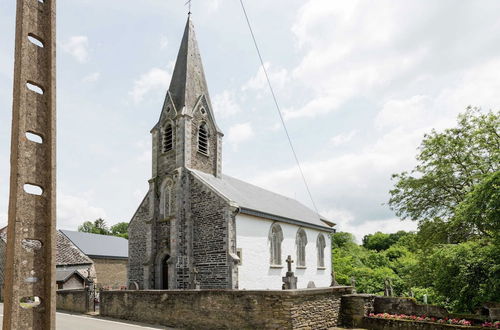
[
  {"x": 320, "y": 245},
  {"x": 275, "y": 239},
  {"x": 166, "y": 199},
  {"x": 168, "y": 138},
  {"x": 203, "y": 139},
  {"x": 301, "y": 242}
]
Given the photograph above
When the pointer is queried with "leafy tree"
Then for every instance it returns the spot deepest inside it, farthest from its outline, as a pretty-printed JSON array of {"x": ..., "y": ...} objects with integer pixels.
[
  {"x": 99, "y": 226},
  {"x": 480, "y": 209},
  {"x": 450, "y": 164},
  {"x": 381, "y": 241},
  {"x": 120, "y": 229},
  {"x": 342, "y": 239}
]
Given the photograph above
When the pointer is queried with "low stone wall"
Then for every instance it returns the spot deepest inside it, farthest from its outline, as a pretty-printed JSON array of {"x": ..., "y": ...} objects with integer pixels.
[
  {"x": 228, "y": 309},
  {"x": 408, "y": 306},
  {"x": 72, "y": 301},
  {"x": 354, "y": 307},
  {"x": 383, "y": 324}
]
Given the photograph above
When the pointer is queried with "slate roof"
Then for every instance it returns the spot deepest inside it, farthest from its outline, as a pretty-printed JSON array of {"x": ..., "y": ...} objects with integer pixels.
[
  {"x": 260, "y": 202},
  {"x": 98, "y": 246}
]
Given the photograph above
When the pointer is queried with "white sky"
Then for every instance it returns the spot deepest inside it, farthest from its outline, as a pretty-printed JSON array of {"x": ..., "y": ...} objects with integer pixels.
[{"x": 360, "y": 82}]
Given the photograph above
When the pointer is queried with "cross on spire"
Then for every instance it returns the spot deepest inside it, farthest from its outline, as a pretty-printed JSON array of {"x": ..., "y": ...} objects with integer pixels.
[{"x": 189, "y": 6}]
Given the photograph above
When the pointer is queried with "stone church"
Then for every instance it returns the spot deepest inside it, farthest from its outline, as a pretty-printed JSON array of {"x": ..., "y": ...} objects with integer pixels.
[{"x": 199, "y": 228}]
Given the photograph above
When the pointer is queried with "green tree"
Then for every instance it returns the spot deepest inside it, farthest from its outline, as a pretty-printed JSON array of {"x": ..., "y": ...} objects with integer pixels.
[
  {"x": 480, "y": 209},
  {"x": 99, "y": 226},
  {"x": 120, "y": 229},
  {"x": 450, "y": 164}
]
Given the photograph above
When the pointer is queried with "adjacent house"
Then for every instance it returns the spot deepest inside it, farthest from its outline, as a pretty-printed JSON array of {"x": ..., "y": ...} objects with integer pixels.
[{"x": 82, "y": 258}]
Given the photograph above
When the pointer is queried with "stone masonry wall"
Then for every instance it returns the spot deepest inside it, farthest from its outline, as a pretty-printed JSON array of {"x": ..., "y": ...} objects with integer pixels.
[
  {"x": 210, "y": 237},
  {"x": 137, "y": 249},
  {"x": 227, "y": 309},
  {"x": 382, "y": 324},
  {"x": 199, "y": 161},
  {"x": 72, "y": 301},
  {"x": 111, "y": 273}
]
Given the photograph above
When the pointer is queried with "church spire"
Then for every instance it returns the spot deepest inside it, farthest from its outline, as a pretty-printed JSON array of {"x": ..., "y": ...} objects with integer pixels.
[{"x": 188, "y": 80}]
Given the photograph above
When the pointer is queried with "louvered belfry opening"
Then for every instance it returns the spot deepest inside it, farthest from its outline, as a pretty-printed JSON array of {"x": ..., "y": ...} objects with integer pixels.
[
  {"x": 168, "y": 138},
  {"x": 203, "y": 139}
]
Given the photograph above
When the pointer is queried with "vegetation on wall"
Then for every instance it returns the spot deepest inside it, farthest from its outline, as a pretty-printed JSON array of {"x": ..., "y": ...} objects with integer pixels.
[{"x": 454, "y": 195}]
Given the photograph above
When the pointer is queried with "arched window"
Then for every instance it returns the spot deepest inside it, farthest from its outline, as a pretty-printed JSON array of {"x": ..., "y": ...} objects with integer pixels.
[
  {"x": 168, "y": 138},
  {"x": 275, "y": 239},
  {"x": 301, "y": 242},
  {"x": 203, "y": 139},
  {"x": 320, "y": 245}
]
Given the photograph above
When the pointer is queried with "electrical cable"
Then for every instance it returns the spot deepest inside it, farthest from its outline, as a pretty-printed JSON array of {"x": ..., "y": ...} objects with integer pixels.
[{"x": 277, "y": 106}]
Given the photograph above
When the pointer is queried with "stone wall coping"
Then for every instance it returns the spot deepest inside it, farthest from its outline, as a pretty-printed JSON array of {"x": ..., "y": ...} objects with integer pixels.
[
  {"x": 361, "y": 295},
  {"x": 70, "y": 290},
  {"x": 297, "y": 292}
]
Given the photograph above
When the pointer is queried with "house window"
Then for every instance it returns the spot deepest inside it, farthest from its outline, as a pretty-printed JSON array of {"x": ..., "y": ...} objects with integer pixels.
[
  {"x": 203, "y": 139},
  {"x": 275, "y": 239},
  {"x": 168, "y": 138},
  {"x": 301, "y": 242},
  {"x": 320, "y": 244}
]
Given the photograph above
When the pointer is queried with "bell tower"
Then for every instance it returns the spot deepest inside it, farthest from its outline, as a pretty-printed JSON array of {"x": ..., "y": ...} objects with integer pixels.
[{"x": 187, "y": 135}]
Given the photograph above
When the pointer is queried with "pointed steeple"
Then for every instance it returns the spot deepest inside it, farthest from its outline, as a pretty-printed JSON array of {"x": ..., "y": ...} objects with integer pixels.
[{"x": 188, "y": 80}]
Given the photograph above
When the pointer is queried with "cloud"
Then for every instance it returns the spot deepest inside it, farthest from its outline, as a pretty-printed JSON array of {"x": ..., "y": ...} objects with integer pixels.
[
  {"x": 375, "y": 50},
  {"x": 225, "y": 104},
  {"x": 163, "y": 42},
  {"x": 72, "y": 211},
  {"x": 93, "y": 77},
  {"x": 77, "y": 46},
  {"x": 3, "y": 220},
  {"x": 343, "y": 138},
  {"x": 155, "y": 79},
  {"x": 278, "y": 77},
  {"x": 239, "y": 133}
]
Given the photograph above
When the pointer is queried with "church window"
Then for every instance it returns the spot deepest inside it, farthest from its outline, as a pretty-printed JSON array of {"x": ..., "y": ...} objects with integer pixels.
[
  {"x": 203, "y": 139},
  {"x": 203, "y": 111},
  {"x": 301, "y": 242},
  {"x": 275, "y": 239},
  {"x": 320, "y": 244},
  {"x": 168, "y": 138},
  {"x": 166, "y": 199}
]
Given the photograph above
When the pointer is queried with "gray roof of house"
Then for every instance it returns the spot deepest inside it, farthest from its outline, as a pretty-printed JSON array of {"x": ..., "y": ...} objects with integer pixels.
[
  {"x": 259, "y": 202},
  {"x": 98, "y": 246}
]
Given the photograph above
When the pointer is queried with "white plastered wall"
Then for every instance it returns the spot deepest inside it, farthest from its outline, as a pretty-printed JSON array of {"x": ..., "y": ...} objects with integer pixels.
[{"x": 255, "y": 271}]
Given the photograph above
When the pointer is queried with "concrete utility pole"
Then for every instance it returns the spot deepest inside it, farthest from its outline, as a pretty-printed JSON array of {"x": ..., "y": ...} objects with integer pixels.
[{"x": 30, "y": 266}]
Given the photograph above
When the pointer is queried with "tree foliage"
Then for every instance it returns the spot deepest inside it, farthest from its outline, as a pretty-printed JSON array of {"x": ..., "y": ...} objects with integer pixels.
[
  {"x": 450, "y": 164},
  {"x": 100, "y": 227}
]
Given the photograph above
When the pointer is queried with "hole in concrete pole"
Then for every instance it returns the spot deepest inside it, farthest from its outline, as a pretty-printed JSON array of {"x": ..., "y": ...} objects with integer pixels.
[
  {"x": 30, "y": 302},
  {"x": 31, "y": 244},
  {"x": 34, "y": 87},
  {"x": 33, "y": 189},
  {"x": 31, "y": 279},
  {"x": 35, "y": 40},
  {"x": 34, "y": 137}
]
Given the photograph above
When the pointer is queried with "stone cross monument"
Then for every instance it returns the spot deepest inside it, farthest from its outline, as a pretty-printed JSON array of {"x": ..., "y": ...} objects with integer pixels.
[
  {"x": 290, "y": 280},
  {"x": 30, "y": 264}
]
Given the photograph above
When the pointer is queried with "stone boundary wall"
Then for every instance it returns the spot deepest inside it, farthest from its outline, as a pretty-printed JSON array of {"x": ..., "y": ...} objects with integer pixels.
[
  {"x": 228, "y": 309},
  {"x": 72, "y": 301},
  {"x": 383, "y": 324},
  {"x": 408, "y": 306}
]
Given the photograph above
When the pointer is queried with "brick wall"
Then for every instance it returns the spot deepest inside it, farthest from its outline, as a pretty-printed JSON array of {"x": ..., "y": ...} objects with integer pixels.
[
  {"x": 111, "y": 272},
  {"x": 228, "y": 309}
]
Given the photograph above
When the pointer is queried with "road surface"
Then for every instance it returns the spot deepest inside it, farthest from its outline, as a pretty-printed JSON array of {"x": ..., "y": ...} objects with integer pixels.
[{"x": 66, "y": 321}]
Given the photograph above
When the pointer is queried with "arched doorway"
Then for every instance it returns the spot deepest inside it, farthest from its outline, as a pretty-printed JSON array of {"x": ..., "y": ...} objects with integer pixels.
[{"x": 164, "y": 272}]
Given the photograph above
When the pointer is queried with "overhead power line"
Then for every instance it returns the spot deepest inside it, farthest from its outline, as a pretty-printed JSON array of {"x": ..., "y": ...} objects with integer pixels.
[{"x": 278, "y": 107}]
